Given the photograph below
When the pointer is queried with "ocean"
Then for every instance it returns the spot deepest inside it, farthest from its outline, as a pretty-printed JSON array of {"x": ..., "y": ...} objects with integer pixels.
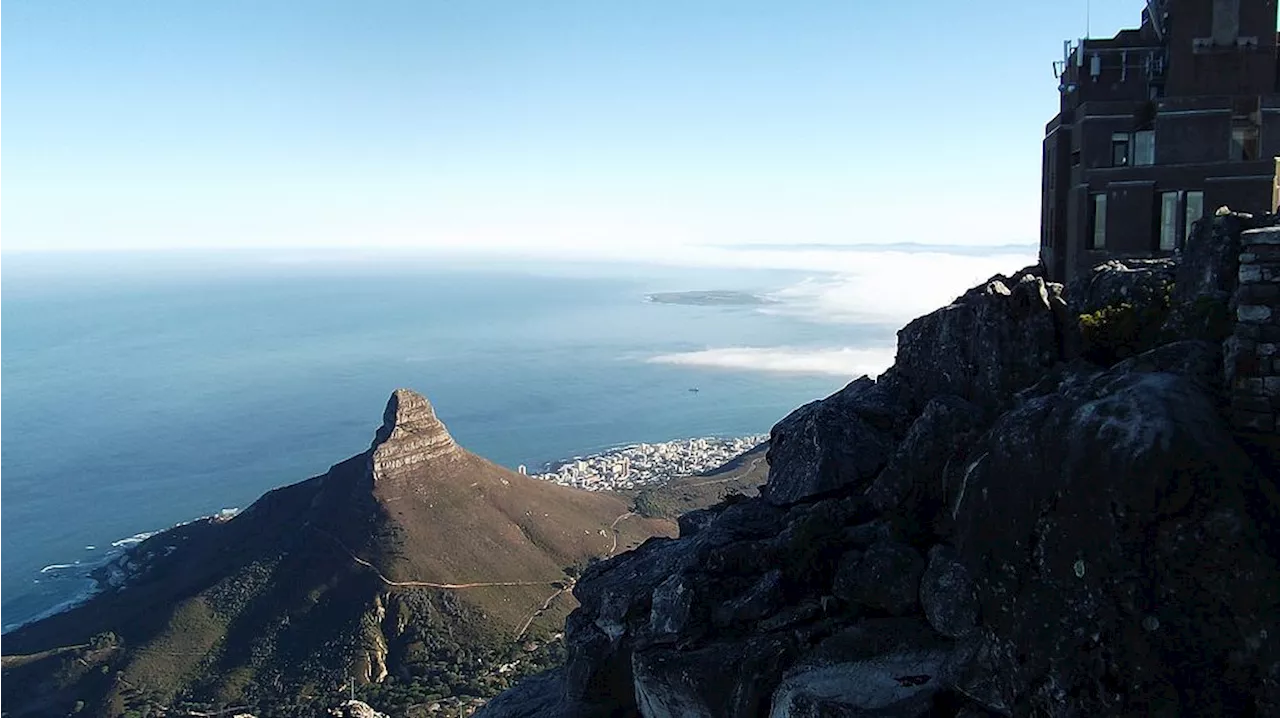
[{"x": 140, "y": 391}]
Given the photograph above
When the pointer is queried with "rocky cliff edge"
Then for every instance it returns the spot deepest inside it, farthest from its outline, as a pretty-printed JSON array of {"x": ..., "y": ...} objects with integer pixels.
[{"x": 1038, "y": 510}]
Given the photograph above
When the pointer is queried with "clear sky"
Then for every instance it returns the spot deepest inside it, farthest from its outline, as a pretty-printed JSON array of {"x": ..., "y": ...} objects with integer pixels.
[{"x": 557, "y": 125}]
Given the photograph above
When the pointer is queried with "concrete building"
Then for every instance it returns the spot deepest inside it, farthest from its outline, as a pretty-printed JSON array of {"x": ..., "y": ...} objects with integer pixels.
[{"x": 1158, "y": 126}]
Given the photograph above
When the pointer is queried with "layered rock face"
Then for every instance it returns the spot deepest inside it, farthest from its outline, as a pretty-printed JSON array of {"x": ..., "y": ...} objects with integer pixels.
[
  {"x": 410, "y": 435},
  {"x": 995, "y": 527}
]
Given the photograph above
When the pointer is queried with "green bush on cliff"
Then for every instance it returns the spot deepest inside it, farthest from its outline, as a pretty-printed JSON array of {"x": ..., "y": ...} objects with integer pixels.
[
  {"x": 1118, "y": 331},
  {"x": 656, "y": 504}
]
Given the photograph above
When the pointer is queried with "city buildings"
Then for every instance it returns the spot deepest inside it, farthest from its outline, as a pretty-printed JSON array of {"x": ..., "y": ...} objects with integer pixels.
[
  {"x": 1157, "y": 127},
  {"x": 647, "y": 464}
]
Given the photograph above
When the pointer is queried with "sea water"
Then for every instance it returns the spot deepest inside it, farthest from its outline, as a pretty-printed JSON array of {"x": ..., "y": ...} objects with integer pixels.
[{"x": 139, "y": 391}]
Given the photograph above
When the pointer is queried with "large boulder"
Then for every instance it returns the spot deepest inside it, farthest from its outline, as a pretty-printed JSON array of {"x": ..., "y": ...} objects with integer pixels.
[
  {"x": 881, "y": 667},
  {"x": 947, "y": 594},
  {"x": 914, "y": 481},
  {"x": 1119, "y": 281},
  {"x": 827, "y": 446},
  {"x": 1206, "y": 277},
  {"x": 537, "y": 696},
  {"x": 617, "y": 603},
  {"x": 989, "y": 343},
  {"x": 1118, "y": 309},
  {"x": 729, "y": 678},
  {"x": 1121, "y": 563},
  {"x": 886, "y": 577}
]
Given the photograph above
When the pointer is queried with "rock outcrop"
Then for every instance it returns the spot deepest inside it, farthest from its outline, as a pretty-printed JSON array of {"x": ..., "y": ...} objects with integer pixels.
[
  {"x": 994, "y": 527},
  {"x": 410, "y": 435},
  {"x": 355, "y": 709}
]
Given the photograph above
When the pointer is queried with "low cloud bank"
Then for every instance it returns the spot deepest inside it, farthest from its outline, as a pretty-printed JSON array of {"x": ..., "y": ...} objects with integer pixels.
[
  {"x": 844, "y": 361},
  {"x": 890, "y": 288}
]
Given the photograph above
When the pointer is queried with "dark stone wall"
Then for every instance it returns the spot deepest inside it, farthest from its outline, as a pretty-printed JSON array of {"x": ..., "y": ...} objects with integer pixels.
[{"x": 1253, "y": 350}]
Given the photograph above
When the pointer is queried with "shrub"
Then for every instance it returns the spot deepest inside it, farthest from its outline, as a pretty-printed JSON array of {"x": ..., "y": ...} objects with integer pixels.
[
  {"x": 655, "y": 504},
  {"x": 1119, "y": 331}
]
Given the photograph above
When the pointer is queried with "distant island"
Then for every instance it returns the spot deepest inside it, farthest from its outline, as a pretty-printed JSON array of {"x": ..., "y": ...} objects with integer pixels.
[{"x": 726, "y": 297}]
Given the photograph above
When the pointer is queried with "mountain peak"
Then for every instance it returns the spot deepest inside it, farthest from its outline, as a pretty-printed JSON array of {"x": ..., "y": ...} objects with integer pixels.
[{"x": 410, "y": 434}]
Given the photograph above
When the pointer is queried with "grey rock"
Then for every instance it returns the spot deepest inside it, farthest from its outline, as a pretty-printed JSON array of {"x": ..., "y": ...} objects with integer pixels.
[
  {"x": 1093, "y": 506},
  {"x": 697, "y": 520},
  {"x": 947, "y": 594},
  {"x": 741, "y": 559},
  {"x": 672, "y": 605},
  {"x": 806, "y": 610},
  {"x": 825, "y": 446},
  {"x": 863, "y": 535},
  {"x": 988, "y": 344},
  {"x": 751, "y": 519},
  {"x": 885, "y": 578},
  {"x": 540, "y": 696},
  {"x": 1199, "y": 361},
  {"x": 763, "y": 599},
  {"x": 410, "y": 435},
  {"x": 355, "y": 709},
  {"x": 1135, "y": 281},
  {"x": 881, "y": 667},
  {"x": 729, "y": 678},
  {"x": 1206, "y": 277},
  {"x": 915, "y": 476}
]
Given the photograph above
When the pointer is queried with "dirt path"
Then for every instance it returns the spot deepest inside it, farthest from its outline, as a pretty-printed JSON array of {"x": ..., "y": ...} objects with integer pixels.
[
  {"x": 613, "y": 527},
  {"x": 520, "y": 631},
  {"x": 542, "y": 609},
  {"x": 430, "y": 584}
]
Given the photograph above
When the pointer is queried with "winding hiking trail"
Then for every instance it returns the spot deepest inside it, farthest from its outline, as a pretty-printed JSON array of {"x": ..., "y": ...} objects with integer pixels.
[
  {"x": 429, "y": 584},
  {"x": 520, "y": 631},
  {"x": 542, "y": 609},
  {"x": 614, "y": 528}
]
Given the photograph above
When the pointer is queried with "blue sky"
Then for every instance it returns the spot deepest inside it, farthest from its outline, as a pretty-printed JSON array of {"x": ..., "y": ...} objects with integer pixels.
[{"x": 565, "y": 126}]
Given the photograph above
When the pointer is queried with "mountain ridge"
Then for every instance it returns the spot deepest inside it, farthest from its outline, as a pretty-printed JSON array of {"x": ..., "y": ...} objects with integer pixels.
[{"x": 414, "y": 557}]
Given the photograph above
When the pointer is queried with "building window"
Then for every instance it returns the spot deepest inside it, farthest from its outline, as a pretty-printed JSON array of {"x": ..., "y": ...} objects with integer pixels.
[
  {"x": 1119, "y": 149},
  {"x": 1195, "y": 210},
  {"x": 1144, "y": 147},
  {"x": 1099, "y": 221},
  {"x": 1244, "y": 141},
  {"x": 1168, "y": 220}
]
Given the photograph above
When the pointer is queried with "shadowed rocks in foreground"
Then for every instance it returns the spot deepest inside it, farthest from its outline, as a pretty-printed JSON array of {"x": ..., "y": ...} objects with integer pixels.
[{"x": 1019, "y": 518}]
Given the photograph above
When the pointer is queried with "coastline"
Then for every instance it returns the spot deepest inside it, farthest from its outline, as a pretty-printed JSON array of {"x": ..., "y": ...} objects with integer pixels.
[
  {"x": 102, "y": 571},
  {"x": 113, "y": 566}
]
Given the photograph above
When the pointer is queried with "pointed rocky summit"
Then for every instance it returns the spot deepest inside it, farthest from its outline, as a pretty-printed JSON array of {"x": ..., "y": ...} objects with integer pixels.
[{"x": 410, "y": 434}]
